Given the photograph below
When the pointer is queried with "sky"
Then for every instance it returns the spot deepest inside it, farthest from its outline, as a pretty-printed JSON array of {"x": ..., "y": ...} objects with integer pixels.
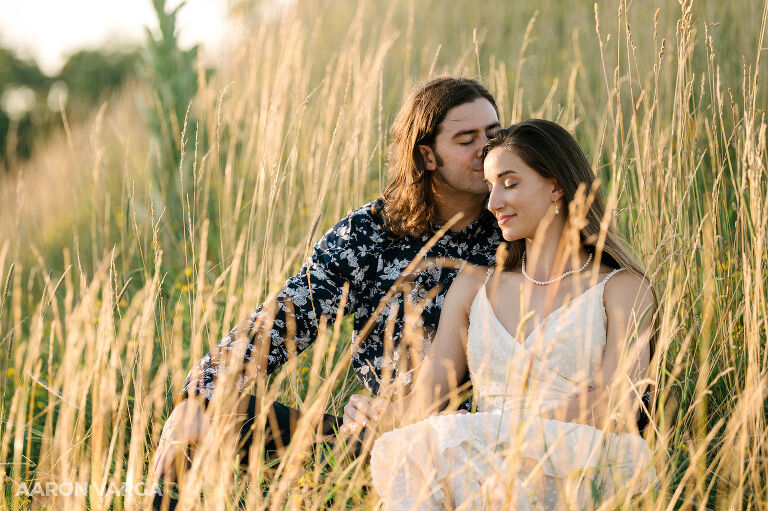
[{"x": 50, "y": 30}]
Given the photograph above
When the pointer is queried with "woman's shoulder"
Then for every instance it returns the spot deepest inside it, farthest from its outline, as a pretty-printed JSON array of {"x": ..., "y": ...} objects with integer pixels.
[
  {"x": 626, "y": 290},
  {"x": 468, "y": 282},
  {"x": 471, "y": 275}
]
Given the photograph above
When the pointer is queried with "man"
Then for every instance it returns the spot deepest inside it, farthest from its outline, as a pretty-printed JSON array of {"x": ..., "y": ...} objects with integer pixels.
[{"x": 435, "y": 172}]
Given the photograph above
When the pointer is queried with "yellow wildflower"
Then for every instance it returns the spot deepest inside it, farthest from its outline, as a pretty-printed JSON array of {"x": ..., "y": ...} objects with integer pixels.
[
  {"x": 10, "y": 372},
  {"x": 305, "y": 481},
  {"x": 187, "y": 271}
]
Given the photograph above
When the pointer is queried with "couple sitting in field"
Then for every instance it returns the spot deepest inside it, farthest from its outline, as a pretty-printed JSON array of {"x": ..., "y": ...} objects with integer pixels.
[{"x": 555, "y": 336}]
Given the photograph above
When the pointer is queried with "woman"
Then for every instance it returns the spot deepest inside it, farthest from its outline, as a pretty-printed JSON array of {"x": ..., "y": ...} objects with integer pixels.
[{"x": 557, "y": 352}]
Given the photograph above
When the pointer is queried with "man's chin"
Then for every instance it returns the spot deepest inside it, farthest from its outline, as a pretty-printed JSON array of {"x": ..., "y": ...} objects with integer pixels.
[{"x": 480, "y": 189}]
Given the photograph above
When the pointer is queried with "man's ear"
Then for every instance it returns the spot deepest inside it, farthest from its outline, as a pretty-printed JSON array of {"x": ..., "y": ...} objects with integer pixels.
[{"x": 428, "y": 155}]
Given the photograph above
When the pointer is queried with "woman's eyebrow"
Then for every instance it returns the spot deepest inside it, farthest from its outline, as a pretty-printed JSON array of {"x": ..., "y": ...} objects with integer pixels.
[{"x": 501, "y": 174}]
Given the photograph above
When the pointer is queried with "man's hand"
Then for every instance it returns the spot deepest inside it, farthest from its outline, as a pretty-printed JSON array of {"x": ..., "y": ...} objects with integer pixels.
[
  {"x": 362, "y": 411},
  {"x": 457, "y": 412},
  {"x": 187, "y": 425}
]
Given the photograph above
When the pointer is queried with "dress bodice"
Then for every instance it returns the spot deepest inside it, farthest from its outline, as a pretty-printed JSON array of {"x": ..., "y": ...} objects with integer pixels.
[
  {"x": 508, "y": 456},
  {"x": 560, "y": 355}
]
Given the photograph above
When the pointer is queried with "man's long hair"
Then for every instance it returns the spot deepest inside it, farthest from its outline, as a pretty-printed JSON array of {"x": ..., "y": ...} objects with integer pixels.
[{"x": 408, "y": 199}]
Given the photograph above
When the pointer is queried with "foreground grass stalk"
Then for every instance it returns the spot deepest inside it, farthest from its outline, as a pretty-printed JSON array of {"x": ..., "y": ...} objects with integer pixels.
[{"x": 118, "y": 273}]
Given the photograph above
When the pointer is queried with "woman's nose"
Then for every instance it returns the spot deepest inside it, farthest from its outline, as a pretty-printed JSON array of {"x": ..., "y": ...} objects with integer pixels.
[{"x": 493, "y": 201}]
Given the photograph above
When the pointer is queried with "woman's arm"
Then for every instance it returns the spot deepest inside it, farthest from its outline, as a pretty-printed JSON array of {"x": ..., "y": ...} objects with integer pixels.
[
  {"x": 445, "y": 364},
  {"x": 612, "y": 401}
]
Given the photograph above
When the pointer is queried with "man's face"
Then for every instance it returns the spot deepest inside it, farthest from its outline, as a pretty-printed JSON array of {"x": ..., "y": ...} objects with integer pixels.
[{"x": 456, "y": 157}]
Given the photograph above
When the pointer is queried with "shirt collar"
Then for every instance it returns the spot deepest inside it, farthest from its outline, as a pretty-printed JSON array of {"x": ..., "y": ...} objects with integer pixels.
[{"x": 486, "y": 218}]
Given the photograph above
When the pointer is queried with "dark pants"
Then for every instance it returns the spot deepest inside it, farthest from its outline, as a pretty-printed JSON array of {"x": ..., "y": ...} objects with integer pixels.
[
  {"x": 281, "y": 424},
  {"x": 280, "y": 427}
]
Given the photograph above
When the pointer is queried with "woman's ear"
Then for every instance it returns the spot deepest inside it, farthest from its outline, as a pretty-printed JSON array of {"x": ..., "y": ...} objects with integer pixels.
[
  {"x": 428, "y": 156},
  {"x": 557, "y": 191}
]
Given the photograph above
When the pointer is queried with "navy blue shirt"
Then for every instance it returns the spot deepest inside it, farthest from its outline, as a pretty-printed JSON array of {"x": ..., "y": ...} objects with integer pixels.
[{"x": 359, "y": 251}]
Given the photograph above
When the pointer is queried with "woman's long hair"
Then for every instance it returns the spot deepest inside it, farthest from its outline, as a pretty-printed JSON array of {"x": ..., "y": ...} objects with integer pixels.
[
  {"x": 408, "y": 202},
  {"x": 551, "y": 151}
]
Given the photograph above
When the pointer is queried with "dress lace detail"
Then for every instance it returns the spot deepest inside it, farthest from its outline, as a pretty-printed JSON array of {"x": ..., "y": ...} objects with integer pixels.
[{"x": 505, "y": 455}]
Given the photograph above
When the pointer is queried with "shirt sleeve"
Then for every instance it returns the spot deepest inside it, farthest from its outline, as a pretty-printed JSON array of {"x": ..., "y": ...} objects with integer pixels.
[{"x": 289, "y": 322}]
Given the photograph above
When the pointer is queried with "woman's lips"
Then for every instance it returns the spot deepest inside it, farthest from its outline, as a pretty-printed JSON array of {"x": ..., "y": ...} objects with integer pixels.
[{"x": 504, "y": 218}]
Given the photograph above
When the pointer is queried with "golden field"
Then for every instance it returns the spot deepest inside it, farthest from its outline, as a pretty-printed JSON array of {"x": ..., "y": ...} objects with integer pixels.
[{"x": 119, "y": 271}]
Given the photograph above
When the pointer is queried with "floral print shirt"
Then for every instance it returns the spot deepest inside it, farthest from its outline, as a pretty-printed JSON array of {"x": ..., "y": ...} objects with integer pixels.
[{"x": 359, "y": 251}]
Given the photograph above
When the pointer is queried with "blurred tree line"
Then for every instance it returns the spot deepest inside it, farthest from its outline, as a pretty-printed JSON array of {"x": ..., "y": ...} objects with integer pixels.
[
  {"x": 31, "y": 101},
  {"x": 171, "y": 78}
]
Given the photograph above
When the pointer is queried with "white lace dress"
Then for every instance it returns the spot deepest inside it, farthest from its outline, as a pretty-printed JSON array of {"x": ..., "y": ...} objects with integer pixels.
[{"x": 504, "y": 456}]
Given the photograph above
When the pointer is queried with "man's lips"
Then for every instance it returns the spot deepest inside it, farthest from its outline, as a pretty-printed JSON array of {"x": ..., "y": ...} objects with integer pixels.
[{"x": 504, "y": 218}]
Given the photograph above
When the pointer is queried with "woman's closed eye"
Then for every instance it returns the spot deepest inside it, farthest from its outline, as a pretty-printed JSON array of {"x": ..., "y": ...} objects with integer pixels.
[{"x": 507, "y": 186}]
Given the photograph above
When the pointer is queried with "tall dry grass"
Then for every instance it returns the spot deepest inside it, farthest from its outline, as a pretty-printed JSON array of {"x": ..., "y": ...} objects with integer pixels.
[{"x": 116, "y": 275}]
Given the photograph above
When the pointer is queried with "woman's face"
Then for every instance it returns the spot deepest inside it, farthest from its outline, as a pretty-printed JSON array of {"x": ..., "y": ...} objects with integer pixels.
[{"x": 519, "y": 196}]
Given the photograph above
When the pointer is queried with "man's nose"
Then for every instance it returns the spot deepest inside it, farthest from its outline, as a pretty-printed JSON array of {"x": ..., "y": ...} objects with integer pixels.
[{"x": 483, "y": 139}]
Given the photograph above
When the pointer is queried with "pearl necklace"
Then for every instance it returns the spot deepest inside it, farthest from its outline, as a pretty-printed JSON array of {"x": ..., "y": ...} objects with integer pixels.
[{"x": 547, "y": 282}]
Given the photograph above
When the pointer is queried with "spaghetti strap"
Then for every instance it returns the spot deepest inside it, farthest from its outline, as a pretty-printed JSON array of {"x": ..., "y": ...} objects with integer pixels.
[
  {"x": 608, "y": 277},
  {"x": 488, "y": 275}
]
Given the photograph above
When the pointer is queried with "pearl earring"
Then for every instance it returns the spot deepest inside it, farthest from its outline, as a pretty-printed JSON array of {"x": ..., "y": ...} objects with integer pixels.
[{"x": 557, "y": 207}]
